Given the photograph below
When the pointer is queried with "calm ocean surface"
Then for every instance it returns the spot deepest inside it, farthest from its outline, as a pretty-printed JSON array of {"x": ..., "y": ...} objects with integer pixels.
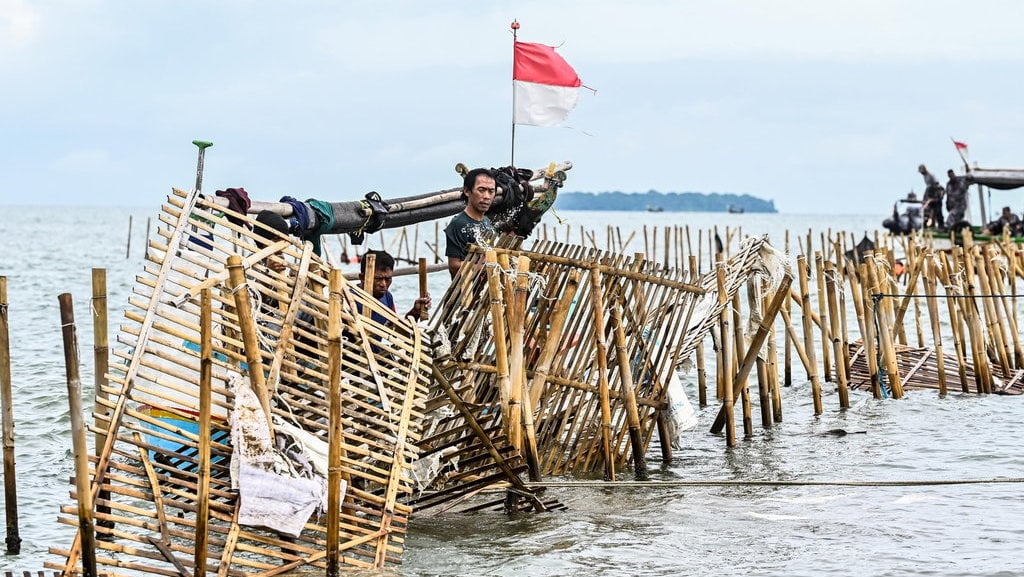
[{"x": 725, "y": 530}]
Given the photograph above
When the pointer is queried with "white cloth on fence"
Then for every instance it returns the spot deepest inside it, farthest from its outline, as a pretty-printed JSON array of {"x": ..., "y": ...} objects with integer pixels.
[{"x": 277, "y": 488}]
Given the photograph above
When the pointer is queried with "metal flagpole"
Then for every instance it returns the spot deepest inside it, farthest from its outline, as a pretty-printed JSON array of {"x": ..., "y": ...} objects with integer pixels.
[{"x": 515, "y": 36}]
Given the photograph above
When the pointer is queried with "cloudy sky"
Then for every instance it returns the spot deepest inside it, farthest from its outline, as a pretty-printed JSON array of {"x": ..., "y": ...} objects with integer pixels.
[{"x": 823, "y": 107}]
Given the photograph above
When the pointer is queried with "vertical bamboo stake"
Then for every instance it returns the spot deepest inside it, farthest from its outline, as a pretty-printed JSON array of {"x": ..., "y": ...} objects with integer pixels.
[
  {"x": 423, "y": 284},
  {"x": 7, "y": 402},
  {"x": 597, "y": 299},
  {"x": 253, "y": 355},
  {"x": 773, "y": 374},
  {"x": 494, "y": 291},
  {"x": 808, "y": 328},
  {"x": 787, "y": 343},
  {"x": 128, "y": 245},
  {"x": 824, "y": 325},
  {"x": 516, "y": 312},
  {"x": 205, "y": 409},
  {"x": 101, "y": 411},
  {"x": 933, "y": 317},
  {"x": 945, "y": 269},
  {"x": 725, "y": 362},
  {"x": 335, "y": 432},
  {"x": 994, "y": 319},
  {"x": 702, "y": 373},
  {"x": 981, "y": 366},
  {"x": 834, "y": 333},
  {"x": 78, "y": 432},
  {"x": 764, "y": 329},
  {"x": 740, "y": 381},
  {"x": 629, "y": 397},
  {"x": 369, "y": 271},
  {"x": 885, "y": 331}
]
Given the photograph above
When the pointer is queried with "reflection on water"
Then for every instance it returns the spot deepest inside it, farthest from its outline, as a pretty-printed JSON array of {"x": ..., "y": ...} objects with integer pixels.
[{"x": 963, "y": 529}]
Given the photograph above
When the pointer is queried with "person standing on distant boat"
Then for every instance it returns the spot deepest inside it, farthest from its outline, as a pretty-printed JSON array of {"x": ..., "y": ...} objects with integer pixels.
[
  {"x": 956, "y": 200},
  {"x": 471, "y": 226},
  {"x": 1006, "y": 221},
  {"x": 932, "y": 199}
]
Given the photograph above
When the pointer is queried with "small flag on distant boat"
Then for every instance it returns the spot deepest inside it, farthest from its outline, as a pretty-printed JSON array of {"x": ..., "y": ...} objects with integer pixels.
[
  {"x": 961, "y": 149},
  {"x": 545, "y": 86}
]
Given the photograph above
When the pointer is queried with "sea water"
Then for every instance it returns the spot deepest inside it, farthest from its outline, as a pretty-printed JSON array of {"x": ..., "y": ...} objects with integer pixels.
[{"x": 937, "y": 513}]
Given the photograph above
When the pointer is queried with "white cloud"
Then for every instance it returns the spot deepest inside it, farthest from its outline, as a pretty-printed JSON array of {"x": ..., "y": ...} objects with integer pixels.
[{"x": 19, "y": 23}]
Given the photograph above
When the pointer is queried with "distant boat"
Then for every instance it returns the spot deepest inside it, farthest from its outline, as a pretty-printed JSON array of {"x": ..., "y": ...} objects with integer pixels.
[
  {"x": 654, "y": 208},
  {"x": 735, "y": 209}
]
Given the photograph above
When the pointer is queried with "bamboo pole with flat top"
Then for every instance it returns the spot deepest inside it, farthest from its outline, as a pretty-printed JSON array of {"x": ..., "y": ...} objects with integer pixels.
[
  {"x": 78, "y": 432},
  {"x": 7, "y": 406}
]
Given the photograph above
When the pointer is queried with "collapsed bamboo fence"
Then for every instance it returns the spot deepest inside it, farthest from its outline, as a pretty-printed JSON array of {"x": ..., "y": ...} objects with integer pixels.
[
  {"x": 569, "y": 359},
  {"x": 211, "y": 318}
]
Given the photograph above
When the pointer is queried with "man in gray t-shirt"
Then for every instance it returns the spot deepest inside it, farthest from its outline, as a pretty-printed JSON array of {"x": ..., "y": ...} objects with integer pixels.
[{"x": 471, "y": 226}]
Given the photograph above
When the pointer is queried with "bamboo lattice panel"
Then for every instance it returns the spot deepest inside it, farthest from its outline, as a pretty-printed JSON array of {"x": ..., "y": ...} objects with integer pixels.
[{"x": 146, "y": 483}]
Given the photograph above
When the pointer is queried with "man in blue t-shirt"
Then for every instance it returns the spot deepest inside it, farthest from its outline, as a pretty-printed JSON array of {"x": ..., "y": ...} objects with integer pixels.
[
  {"x": 383, "y": 274},
  {"x": 471, "y": 226}
]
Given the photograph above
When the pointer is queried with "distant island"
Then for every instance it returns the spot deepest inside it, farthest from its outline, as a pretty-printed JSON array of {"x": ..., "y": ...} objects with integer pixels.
[{"x": 653, "y": 200}]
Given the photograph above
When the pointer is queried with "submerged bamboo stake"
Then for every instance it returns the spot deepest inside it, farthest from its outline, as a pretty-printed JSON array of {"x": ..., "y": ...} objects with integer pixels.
[
  {"x": 955, "y": 321},
  {"x": 838, "y": 344},
  {"x": 597, "y": 302},
  {"x": 763, "y": 330},
  {"x": 128, "y": 245},
  {"x": 933, "y": 317},
  {"x": 725, "y": 362},
  {"x": 740, "y": 381},
  {"x": 7, "y": 406},
  {"x": 805, "y": 319},
  {"x": 629, "y": 396},
  {"x": 825, "y": 325},
  {"x": 78, "y": 432}
]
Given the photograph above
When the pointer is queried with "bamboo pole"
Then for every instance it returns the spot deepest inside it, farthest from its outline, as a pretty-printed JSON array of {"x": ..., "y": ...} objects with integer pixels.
[
  {"x": 554, "y": 336},
  {"x": 629, "y": 396},
  {"x": 78, "y": 432},
  {"x": 13, "y": 540},
  {"x": 740, "y": 383},
  {"x": 702, "y": 374},
  {"x": 724, "y": 357},
  {"x": 335, "y": 432},
  {"x": 205, "y": 411},
  {"x": 834, "y": 333},
  {"x": 944, "y": 269},
  {"x": 763, "y": 330},
  {"x": 497, "y": 309},
  {"x": 885, "y": 330},
  {"x": 515, "y": 311},
  {"x": 933, "y": 317},
  {"x": 787, "y": 343},
  {"x": 824, "y": 326},
  {"x": 773, "y": 374},
  {"x": 128, "y": 244},
  {"x": 597, "y": 301},
  {"x": 971, "y": 314},
  {"x": 423, "y": 283},
  {"x": 805, "y": 319},
  {"x": 519, "y": 382},
  {"x": 253, "y": 356},
  {"x": 993, "y": 299},
  {"x": 101, "y": 409},
  {"x": 369, "y": 268}
]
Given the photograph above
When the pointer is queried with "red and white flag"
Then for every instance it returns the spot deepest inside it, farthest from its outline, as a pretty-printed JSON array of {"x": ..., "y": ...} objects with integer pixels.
[
  {"x": 545, "y": 86},
  {"x": 961, "y": 149}
]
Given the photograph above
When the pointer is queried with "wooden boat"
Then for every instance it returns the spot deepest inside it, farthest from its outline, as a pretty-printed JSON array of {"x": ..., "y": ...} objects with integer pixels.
[{"x": 735, "y": 209}]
